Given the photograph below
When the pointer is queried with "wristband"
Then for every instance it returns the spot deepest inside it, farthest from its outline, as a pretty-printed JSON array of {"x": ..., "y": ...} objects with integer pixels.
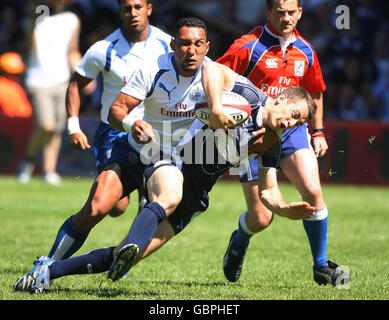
[
  {"x": 318, "y": 134},
  {"x": 318, "y": 130},
  {"x": 128, "y": 122},
  {"x": 73, "y": 125}
]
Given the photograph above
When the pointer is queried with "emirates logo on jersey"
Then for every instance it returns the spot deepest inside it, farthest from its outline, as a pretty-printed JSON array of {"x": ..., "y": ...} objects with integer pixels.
[{"x": 271, "y": 63}]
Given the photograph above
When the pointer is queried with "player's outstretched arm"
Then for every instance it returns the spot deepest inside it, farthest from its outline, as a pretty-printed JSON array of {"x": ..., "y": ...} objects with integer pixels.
[
  {"x": 77, "y": 138},
  {"x": 271, "y": 197},
  {"x": 215, "y": 79}
]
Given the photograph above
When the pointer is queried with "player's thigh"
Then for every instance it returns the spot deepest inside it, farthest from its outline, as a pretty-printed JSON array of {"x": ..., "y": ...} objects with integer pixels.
[
  {"x": 258, "y": 216},
  {"x": 301, "y": 168},
  {"x": 165, "y": 186}
]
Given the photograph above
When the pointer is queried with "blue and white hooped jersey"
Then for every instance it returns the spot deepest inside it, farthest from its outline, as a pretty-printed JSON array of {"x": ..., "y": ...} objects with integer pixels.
[
  {"x": 169, "y": 100},
  {"x": 210, "y": 153},
  {"x": 117, "y": 59}
]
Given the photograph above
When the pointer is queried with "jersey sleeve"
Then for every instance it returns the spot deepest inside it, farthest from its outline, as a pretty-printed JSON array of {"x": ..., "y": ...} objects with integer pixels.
[
  {"x": 237, "y": 57},
  {"x": 313, "y": 78},
  {"x": 138, "y": 85},
  {"x": 271, "y": 157},
  {"x": 92, "y": 63}
]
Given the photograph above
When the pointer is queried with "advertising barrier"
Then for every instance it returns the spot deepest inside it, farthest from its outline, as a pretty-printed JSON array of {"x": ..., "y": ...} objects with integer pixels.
[{"x": 358, "y": 151}]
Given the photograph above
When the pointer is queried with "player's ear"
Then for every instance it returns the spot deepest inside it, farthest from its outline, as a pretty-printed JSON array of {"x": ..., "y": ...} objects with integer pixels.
[
  {"x": 280, "y": 98},
  {"x": 172, "y": 43},
  {"x": 300, "y": 10},
  {"x": 149, "y": 9},
  {"x": 206, "y": 51}
]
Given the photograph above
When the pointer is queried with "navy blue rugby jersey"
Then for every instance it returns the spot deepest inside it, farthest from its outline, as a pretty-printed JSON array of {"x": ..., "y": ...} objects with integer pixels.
[{"x": 208, "y": 154}]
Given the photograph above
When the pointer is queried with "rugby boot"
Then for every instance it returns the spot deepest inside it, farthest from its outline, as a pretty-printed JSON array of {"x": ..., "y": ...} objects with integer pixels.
[
  {"x": 123, "y": 261},
  {"x": 332, "y": 274},
  {"x": 233, "y": 261}
]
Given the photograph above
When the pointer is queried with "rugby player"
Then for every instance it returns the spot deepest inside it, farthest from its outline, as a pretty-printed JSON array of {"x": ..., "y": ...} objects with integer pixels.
[
  {"x": 275, "y": 57},
  {"x": 116, "y": 58}
]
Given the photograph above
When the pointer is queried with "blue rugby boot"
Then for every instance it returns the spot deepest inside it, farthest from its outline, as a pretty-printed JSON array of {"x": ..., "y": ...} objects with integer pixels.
[
  {"x": 27, "y": 281},
  {"x": 42, "y": 280}
]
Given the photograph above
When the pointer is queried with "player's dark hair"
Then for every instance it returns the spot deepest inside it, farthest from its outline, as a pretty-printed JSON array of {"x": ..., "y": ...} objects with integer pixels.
[
  {"x": 270, "y": 4},
  {"x": 189, "y": 22},
  {"x": 120, "y": 1},
  {"x": 296, "y": 94}
]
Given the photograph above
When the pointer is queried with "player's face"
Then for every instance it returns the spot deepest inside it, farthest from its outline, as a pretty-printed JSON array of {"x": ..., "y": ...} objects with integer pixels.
[
  {"x": 134, "y": 15},
  {"x": 284, "y": 115},
  {"x": 190, "y": 47},
  {"x": 284, "y": 16}
]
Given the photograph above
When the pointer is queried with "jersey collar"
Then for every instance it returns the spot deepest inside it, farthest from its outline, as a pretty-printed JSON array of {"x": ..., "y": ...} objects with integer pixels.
[
  {"x": 132, "y": 43},
  {"x": 273, "y": 32},
  {"x": 173, "y": 61}
]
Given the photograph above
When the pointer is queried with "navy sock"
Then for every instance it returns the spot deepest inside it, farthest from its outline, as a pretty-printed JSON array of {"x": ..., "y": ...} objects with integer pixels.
[
  {"x": 69, "y": 239},
  {"x": 145, "y": 225},
  {"x": 242, "y": 237},
  {"x": 317, "y": 235},
  {"x": 95, "y": 261}
]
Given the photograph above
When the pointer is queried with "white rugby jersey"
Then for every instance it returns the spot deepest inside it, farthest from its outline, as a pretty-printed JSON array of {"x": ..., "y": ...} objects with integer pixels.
[
  {"x": 48, "y": 64},
  {"x": 169, "y": 100},
  {"x": 117, "y": 59}
]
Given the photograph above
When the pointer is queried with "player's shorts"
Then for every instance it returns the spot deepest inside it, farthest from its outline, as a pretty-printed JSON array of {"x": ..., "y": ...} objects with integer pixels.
[
  {"x": 194, "y": 198},
  {"x": 103, "y": 143},
  {"x": 49, "y": 106},
  {"x": 130, "y": 163},
  {"x": 292, "y": 140}
]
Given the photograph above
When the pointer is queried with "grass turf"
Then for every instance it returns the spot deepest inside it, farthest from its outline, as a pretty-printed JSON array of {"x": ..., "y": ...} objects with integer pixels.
[{"x": 278, "y": 265}]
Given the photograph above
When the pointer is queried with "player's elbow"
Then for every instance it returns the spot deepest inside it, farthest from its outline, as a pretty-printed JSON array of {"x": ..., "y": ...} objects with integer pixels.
[{"x": 264, "y": 195}]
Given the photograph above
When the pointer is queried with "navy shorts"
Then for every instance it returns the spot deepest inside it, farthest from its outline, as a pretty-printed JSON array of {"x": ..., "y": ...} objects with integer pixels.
[
  {"x": 195, "y": 194},
  {"x": 292, "y": 140},
  {"x": 130, "y": 163},
  {"x": 103, "y": 143}
]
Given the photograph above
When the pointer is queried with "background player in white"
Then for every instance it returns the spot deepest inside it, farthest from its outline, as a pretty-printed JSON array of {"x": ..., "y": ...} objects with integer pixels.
[
  {"x": 116, "y": 57},
  {"x": 52, "y": 57}
]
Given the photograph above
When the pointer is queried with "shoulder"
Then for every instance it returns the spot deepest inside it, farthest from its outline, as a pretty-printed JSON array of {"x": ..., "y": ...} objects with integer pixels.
[
  {"x": 248, "y": 39},
  {"x": 159, "y": 34},
  {"x": 304, "y": 43},
  {"x": 69, "y": 16},
  {"x": 103, "y": 44}
]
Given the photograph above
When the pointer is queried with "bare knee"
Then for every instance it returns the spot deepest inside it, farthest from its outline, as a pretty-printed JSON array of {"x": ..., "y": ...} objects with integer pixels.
[
  {"x": 169, "y": 201},
  {"x": 119, "y": 208},
  {"x": 312, "y": 193}
]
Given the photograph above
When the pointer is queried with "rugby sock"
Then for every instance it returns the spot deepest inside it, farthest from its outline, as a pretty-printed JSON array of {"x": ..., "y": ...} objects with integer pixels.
[
  {"x": 95, "y": 261},
  {"x": 242, "y": 237},
  {"x": 69, "y": 239},
  {"x": 145, "y": 225},
  {"x": 316, "y": 229}
]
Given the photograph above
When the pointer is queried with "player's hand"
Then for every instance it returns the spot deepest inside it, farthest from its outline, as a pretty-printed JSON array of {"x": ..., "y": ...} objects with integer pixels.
[
  {"x": 257, "y": 146},
  {"x": 79, "y": 141},
  {"x": 267, "y": 138},
  {"x": 299, "y": 210},
  {"x": 319, "y": 145},
  {"x": 142, "y": 132},
  {"x": 219, "y": 120}
]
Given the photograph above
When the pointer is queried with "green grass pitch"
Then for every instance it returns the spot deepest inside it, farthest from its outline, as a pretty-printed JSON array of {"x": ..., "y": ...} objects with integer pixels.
[{"x": 278, "y": 265}]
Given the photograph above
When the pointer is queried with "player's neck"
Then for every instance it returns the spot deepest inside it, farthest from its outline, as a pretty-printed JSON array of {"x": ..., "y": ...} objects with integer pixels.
[{"x": 136, "y": 36}]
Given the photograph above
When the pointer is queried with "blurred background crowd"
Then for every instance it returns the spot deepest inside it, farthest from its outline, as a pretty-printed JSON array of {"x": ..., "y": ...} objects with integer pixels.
[{"x": 355, "y": 61}]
